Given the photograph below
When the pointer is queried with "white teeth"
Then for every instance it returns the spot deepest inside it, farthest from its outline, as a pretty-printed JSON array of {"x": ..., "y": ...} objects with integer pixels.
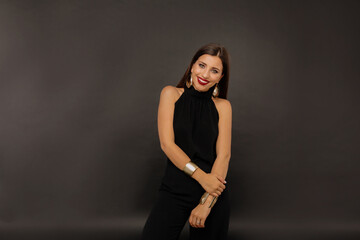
[{"x": 202, "y": 81}]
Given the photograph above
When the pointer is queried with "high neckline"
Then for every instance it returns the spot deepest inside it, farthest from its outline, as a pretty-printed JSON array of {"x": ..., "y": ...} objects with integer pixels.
[{"x": 206, "y": 94}]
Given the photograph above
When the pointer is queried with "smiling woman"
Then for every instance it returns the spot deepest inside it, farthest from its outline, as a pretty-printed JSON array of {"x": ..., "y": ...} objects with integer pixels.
[
  {"x": 207, "y": 70},
  {"x": 194, "y": 124}
]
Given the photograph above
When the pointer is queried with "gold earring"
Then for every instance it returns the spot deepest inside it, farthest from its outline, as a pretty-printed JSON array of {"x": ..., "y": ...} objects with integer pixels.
[
  {"x": 216, "y": 91},
  {"x": 189, "y": 84}
]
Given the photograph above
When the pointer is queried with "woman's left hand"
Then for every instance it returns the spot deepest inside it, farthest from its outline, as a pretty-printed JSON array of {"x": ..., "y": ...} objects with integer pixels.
[{"x": 198, "y": 215}]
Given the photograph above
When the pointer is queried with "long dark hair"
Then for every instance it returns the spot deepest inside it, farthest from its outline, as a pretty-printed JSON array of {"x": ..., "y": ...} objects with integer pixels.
[{"x": 212, "y": 49}]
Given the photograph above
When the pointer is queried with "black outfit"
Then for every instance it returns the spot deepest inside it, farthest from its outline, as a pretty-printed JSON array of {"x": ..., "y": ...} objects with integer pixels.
[{"x": 195, "y": 126}]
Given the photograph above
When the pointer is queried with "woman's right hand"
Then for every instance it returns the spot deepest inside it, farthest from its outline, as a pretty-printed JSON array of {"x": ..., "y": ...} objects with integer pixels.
[{"x": 213, "y": 184}]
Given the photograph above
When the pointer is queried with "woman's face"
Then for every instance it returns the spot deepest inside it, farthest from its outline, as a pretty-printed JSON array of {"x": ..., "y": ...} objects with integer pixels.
[{"x": 206, "y": 72}]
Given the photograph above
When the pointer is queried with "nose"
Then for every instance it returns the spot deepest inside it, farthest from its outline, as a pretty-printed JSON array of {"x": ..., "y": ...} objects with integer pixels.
[{"x": 206, "y": 73}]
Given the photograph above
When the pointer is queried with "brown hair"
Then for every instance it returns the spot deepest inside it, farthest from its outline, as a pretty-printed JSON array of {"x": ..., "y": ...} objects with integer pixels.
[{"x": 212, "y": 49}]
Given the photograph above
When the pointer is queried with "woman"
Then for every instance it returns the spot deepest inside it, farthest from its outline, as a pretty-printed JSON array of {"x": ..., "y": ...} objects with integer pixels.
[{"x": 194, "y": 123}]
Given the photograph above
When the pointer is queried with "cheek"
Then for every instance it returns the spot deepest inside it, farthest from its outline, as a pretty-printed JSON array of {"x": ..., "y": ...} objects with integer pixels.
[
  {"x": 197, "y": 70},
  {"x": 215, "y": 77}
]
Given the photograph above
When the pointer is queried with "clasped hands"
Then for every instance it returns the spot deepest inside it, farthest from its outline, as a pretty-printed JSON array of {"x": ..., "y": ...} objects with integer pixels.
[{"x": 214, "y": 185}]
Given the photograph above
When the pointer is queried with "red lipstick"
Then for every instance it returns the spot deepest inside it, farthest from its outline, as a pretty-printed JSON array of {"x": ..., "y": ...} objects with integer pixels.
[{"x": 202, "y": 81}]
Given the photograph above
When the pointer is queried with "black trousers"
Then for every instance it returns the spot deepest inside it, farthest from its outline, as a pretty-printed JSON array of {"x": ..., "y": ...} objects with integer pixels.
[{"x": 170, "y": 214}]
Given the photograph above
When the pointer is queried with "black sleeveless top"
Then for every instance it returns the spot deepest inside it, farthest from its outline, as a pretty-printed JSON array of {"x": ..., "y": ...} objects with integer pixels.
[{"x": 195, "y": 126}]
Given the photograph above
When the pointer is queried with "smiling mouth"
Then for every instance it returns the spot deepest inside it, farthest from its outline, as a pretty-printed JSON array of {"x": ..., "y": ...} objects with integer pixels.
[{"x": 202, "y": 81}]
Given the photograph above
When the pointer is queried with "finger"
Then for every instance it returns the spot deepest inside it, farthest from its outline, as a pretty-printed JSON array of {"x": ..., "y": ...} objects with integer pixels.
[
  {"x": 191, "y": 221},
  {"x": 198, "y": 222},
  {"x": 194, "y": 221},
  {"x": 201, "y": 225},
  {"x": 221, "y": 179},
  {"x": 220, "y": 185},
  {"x": 192, "y": 224},
  {"x": 214, "y": 194}
]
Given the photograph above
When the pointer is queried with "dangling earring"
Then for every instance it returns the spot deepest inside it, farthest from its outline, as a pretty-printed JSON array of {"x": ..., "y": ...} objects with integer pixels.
[
  {"x": 216, "y": 91},
  {"x": 189, "y": 84}
]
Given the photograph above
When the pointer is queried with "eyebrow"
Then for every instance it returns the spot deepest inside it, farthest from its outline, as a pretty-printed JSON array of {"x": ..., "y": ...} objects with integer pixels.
[{"x": 206, "y": 64}]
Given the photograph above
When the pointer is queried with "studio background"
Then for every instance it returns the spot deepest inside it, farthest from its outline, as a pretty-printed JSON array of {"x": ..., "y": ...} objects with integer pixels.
[{"x": 80, "y": 83}]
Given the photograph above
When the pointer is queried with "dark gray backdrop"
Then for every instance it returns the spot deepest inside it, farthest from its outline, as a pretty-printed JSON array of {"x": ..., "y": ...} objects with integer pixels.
[{"x": 79, "y": 88}]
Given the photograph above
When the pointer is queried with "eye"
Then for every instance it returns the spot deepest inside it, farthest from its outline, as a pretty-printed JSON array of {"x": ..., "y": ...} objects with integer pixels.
[
  {"x": 215, "y": 71},
  {"x": 201, "y": 65}
]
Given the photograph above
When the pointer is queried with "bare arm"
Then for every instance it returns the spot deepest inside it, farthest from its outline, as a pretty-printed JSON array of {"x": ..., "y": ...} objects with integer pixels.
[
  {"x": 223, "y": 143},
  {"x": 167, "y": 142},
  {"x": 165, "y": 128}
]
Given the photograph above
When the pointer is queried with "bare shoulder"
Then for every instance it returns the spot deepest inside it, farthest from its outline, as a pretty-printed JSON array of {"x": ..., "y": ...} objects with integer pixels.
[
  {"x": 171, "y": 92},
  {"x": 223, "y": 105},
  {"x": 168, "y": 92}
]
